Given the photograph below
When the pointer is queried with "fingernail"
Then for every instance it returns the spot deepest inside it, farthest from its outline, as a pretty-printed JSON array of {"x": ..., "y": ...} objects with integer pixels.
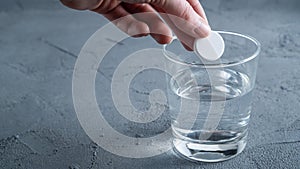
[{"x": 203, "y": 30}]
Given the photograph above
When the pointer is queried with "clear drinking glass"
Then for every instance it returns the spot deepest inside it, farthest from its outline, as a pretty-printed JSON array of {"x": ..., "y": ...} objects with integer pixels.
[{"x": 210, "y": 101}]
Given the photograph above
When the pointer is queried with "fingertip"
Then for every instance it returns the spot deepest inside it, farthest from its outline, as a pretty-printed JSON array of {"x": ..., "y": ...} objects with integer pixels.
[
  {"x": 138, "y": 29},
  {"x": 187, "y": 47},
  {"x": 161, "y": 32},
  {"x": 161, "y": 39},
  {"x": 202, "y": 31}
]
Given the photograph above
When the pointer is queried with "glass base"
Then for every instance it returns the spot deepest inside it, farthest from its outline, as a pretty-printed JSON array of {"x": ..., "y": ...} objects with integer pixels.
[{"x": 199, "y": 152}]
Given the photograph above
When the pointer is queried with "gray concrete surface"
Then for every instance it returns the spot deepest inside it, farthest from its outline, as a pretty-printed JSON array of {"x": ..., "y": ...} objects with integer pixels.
[{"x": 39, "y": 43}]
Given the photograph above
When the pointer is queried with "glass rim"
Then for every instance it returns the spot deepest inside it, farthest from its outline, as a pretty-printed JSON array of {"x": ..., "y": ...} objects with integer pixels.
[{"x": 218, "y": 65}]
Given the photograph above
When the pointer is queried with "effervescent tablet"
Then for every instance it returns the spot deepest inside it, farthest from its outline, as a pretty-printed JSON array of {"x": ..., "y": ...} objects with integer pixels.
[{"x": 210, "y": 48}]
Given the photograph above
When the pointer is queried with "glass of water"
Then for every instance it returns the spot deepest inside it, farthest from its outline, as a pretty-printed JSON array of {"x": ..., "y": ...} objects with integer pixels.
[{"x": 210, "y": 101}]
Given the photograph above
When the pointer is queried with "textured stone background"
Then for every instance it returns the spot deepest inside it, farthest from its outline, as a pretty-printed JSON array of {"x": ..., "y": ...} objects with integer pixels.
[{"x": 39, "y": 43}]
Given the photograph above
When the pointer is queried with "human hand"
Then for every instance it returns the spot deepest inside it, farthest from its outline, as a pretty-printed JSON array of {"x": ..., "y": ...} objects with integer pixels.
[{"x": 186, "y": 18}]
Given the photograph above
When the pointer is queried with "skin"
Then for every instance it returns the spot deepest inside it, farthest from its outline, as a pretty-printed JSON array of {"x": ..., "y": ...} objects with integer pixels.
[{"x": 186, "y": 18}]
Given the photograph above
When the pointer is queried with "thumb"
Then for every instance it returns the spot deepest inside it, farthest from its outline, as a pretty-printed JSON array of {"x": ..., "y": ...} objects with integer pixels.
[
  {"x": 185, "y": 18},
  {"x": 182, "y": 14}
]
